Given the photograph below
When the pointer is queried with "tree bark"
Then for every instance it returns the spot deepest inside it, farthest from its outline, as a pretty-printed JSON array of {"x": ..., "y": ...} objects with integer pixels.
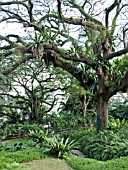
[
  {"x": 86, "y": 102},
  {"x": 102, "y": 114}
]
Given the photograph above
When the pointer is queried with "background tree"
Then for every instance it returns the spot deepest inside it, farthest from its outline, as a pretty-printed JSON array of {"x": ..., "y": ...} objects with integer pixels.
[
  {"x": 34, "y": 92},
  {"x": 103, "y": 42},
  {"x": 79, "y": 105},
  {"x": 118, "y": 107}
]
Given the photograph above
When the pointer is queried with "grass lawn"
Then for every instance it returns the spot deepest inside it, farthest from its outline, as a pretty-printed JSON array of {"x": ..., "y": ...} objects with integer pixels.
[
  {"x": 46, "y": 164},
  {"x": 76, "y": 163}
]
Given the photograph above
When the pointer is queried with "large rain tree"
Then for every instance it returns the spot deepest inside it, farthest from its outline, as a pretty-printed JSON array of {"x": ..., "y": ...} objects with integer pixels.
[{"x": 87, "y": 38}]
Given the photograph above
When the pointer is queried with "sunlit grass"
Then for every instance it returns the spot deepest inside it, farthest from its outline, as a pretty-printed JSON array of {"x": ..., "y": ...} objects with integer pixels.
[{"x": 46, "y": 164}]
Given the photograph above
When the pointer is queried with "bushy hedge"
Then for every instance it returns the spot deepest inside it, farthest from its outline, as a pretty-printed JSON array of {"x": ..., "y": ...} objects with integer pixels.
[
  {"x": 91, "y": 164},
  {"x": 25, "y": 156},
  {"x": 11, "y": 158}
]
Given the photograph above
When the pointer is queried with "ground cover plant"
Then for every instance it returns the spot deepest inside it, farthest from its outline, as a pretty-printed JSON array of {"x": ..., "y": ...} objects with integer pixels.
[
  {"x": 18, "y": 146},
  {"x": 13, "y": 145},
  {"x": 25, "y": 156}
]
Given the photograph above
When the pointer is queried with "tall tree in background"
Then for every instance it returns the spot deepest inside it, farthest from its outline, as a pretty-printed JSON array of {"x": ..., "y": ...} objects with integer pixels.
[
  {"x": 93, "y": 58},
  {"x": 34, "y": 90}
]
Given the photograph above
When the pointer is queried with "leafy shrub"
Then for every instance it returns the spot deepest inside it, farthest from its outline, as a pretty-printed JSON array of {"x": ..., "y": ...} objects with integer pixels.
[
  {"x": 57, "y": 146},
  {"x": 115, "y": 124},
  {"x": 16, "y": 147},
  {"x": 123, "y": 131},
  {"x": 19, "y": 129},
  {"x": 103, "y": 146},
  {"x": 37, "y": 135},
  {"x": 77, "y": 134}
]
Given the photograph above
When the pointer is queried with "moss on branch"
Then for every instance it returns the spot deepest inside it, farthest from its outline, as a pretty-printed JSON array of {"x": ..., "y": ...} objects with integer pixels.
[{"x": 86, "y": 15}]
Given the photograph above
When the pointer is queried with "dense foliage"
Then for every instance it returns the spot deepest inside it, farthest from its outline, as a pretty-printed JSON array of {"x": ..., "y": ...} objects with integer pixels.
[
  {"x": 105, "y": 145},
  {"x": 19, "y": 130}
]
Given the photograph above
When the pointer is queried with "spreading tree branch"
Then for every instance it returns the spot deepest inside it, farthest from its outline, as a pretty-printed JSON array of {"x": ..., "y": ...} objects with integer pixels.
[
  {"x": 118, "y": 87},
  {"x": 30, "y": 4},
  {"x": 108, "y": 10},
  {"x": 11, "y": 106},
  {"x": 115, "y": 54},
  {"x": 85, "y": 81},
  {"x": 78, "y": 21},
  {"x": 86, "y": 15},
  {"x": 82, "y": 59},
  {"x": 17, "y": 64},
  {"x": 14, "y": 2},
  {"x": 7, "y": 114}
]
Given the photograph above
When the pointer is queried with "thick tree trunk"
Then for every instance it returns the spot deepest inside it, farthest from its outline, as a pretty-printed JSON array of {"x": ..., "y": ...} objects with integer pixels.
[{"x": 102, "y": 114}]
